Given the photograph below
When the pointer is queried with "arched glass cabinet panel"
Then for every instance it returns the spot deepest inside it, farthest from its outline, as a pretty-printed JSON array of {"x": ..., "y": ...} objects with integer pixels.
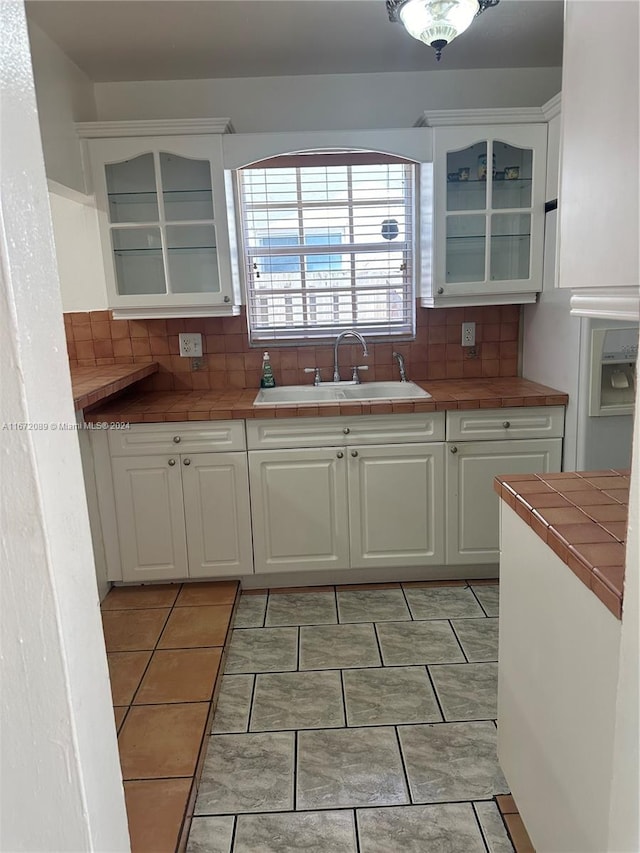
[
  {"x": 163, "y": 218},
  {"x": 489, "y": 187}
]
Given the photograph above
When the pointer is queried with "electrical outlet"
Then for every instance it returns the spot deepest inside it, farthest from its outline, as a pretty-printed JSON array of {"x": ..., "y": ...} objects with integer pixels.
[
  {"x": 468, "y": 334},
  {"x": 191, "y": 344}
]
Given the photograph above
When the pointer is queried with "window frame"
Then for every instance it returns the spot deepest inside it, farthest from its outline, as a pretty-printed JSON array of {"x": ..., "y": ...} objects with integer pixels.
[{"x": 286, "y": 335}]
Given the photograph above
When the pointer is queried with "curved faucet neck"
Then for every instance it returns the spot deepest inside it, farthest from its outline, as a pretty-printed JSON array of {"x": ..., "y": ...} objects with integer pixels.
[{"x": 346, "y": 334}]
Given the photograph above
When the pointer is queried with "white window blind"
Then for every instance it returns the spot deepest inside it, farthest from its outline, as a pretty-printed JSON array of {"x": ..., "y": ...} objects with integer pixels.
[{"x": 328, "y": 245}]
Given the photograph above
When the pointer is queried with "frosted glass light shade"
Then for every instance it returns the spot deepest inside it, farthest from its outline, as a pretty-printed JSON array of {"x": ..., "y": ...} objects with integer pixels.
[{"x": 437, "y": 22}]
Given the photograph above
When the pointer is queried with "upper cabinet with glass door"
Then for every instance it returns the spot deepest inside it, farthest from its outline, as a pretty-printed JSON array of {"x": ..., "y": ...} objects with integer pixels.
[
  {"x": 164, "y": 225},
  {"x": 489, "y": 193}
]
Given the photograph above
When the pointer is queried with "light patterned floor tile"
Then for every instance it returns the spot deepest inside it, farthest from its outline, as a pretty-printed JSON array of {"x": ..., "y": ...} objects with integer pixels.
[
  {"x": 489, "y": 597},
  {"x": 450, "y": 762},
  {"x": 210, "y": 835},
  {"x": 247, "y": 773},
  {"x": 478, "y": 638},
  {"x": 450, "y": 828},
  {"x": 384, "y": 605},
  {"x": 389, "y": 696},
  {"x": 446, "y": 602},
  {"x": 297, "y": 700},
  {"x": 262, "y": 650},
  {"x": 411, "y": 643},
  {"x": 311, "y": 832},
  {"x": 493, "y": 828},
  {"x": 302, "y": 608},
  {"x": 342, "y": 768},
  {"x": 338, "y": 647},
  {"x": 467, "y": 691},
  {"x": 250, "y": 611},
  {"x": 234, "y": 704}
]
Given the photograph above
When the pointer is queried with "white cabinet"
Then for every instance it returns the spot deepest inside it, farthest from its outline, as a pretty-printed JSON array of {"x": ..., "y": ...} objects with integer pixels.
[
  {"x": 164, "y": 225},
  {"x": 178, "y": 514},
  {"x": 150, "y": 517},
  {"x": 299, "y": 509},
  {"x": 505, "y": 441},
  {"x": 489, "y": 194},
  {"x": 396, "y": 514},
  {"x": 598, "y": 201},
  {"x": 353, "y": 502}
]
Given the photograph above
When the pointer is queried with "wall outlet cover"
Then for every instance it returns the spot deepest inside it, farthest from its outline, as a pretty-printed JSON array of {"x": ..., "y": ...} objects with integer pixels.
[
  {"x": 468, "y": 335},
  {"x": 190, "y": 344}
]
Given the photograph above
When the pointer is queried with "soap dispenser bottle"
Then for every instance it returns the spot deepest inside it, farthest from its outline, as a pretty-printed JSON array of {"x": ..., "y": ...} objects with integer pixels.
[{"x": 267, "y": 380}]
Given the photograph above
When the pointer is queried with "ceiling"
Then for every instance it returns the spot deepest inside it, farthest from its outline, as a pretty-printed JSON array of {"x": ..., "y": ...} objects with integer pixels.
[{"x": 116, "y": 40}]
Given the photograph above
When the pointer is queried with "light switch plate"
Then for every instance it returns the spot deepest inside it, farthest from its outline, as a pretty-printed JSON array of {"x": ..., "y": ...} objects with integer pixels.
[{"x": 190, "y": 344}]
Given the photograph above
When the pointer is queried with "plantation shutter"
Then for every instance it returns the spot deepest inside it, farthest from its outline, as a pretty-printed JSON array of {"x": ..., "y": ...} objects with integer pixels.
[{"x": 328, "y": 245}]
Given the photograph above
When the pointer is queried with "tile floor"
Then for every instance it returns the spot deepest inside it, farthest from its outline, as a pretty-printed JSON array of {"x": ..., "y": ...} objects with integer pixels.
[
  {"x": 358, "y": 719},
  {"x": 165, "y": 647}
]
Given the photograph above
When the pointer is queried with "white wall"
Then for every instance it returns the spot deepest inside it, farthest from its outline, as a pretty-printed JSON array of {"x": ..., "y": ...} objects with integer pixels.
[
  {"x": 624, "y": 825},
  {"x": 77, "y": 239},
  {"x": 61, "y": 785},
  {"x": 64, "y": 95},
  {"x": 327, "y": 102},
  {"x": 557, "y": 690}
]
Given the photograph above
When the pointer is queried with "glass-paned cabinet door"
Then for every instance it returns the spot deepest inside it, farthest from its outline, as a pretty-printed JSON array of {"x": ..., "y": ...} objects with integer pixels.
[
  {"x": 160, "y": 220},
  {"x": 489, "y": 209}
]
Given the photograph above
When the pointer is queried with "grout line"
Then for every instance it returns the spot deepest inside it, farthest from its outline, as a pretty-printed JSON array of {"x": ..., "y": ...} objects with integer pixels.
[
  {"x": 473, "y": 592},
  {"x": 251, "y": 700},
  {"x": 298, "y": 641},
  {"x": 435, "y": 693},
  {"x": 404, "y": 767},
  {"x": 485, "y": 840},
  {"x": 382, "y": 663},
  {"x": 464, "y": 654},
  {"x": 295, "y": 771},
  {"x": 344, "y": 700},
  {"x": 234, "y": 831},
  {"x": 406, "y": 600},
  {"x": 356, "y": 830}
]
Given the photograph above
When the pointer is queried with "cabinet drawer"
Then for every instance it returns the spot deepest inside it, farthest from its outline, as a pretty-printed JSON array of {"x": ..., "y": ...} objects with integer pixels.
[
  {"x": 204, "y": 436},
  {"x": 491, "y": 424},
  {"x": 336, "y": 432}
]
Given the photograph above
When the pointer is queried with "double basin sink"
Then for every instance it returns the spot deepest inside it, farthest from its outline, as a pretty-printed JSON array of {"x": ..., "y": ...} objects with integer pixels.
[{"x": 299, "y": 395}]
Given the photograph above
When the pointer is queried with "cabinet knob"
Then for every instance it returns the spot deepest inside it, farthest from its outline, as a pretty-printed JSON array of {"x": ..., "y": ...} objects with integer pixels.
[
  {"x": 172, "y": 462},
  {"x": 346, "y": 430},
  {"x": 440, "y": 291},
  {"x": 506, "y": 424},
  {"x": 339, "y": 454},
  {"x": 354, "y": 452},
  {"x": 176, "y": 439},
  {"x": 187, "y": 462},
  {"x": 227, "y": 299},
  {"x": 454, "y": 449}
]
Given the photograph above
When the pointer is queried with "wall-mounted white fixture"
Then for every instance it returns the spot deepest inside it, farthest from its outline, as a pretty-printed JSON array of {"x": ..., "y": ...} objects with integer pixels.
[
  {"x": 437, "y": 22},
  {"x": 191, "y": 344}
]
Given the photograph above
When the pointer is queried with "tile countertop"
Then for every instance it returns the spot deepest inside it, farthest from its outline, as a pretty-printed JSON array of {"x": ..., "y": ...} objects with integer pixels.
[
  {"x": 90, "y": 385},
  {"x": 159, "y": 406},
  {"x": 583, "y": 518}
]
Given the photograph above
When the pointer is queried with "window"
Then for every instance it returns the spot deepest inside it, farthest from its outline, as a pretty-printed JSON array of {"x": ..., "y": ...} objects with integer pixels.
[{"x": 328, "y": 244}]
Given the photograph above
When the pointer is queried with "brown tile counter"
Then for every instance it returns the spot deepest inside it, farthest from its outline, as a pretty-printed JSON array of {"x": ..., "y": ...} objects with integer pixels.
[
  {"x": 583, "y": 518},
  {"x": 159, "y": 406},
  {"x": 90, "y": 385}
]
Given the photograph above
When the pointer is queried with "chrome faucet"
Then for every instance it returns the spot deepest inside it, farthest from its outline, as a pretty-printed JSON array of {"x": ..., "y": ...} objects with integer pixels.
[
  {"x": 348, "y": 333},
  {"x": 400, "y": 358}
]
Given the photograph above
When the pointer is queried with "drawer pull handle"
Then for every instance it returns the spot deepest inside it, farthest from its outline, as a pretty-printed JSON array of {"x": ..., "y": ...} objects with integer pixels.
[
  {"x": 354, "y": 452},
  {"x": 187, "y": 462},
  {"x": 346, "y": 430},
  {"x": 506, "y": 424},
  {"x": 339, "y": 454},
  {"x": 172, "y": 462},
  {"x": 176, "y": 439},
  {"x": 454, "y": 449}
]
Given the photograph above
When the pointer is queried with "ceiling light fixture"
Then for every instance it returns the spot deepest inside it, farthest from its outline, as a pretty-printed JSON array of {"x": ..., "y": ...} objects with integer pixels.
[{"x": 436, "y": 22}]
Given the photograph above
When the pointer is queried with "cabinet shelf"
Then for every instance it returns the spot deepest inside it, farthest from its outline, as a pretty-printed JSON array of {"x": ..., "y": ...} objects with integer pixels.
[
  {"x": 484, "y": 237},
  {"x": 124, "y": 195},
  {"x": 476, "y": 183},
  {"x": 169, "y": 249}
]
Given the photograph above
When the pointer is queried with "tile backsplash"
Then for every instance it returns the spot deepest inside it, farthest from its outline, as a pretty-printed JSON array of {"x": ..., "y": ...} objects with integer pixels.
[{"x": 94, "y": 338}]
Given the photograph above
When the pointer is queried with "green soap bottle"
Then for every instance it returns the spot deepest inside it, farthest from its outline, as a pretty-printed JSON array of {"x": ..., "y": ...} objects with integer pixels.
[{"x": 267, "y": 380}]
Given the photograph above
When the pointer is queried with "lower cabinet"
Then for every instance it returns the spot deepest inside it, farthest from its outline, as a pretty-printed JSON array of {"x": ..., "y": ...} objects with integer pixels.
[
  {"x": 347, "y": 507},
  {"x": 182, "y": 516},
  {"x": 483, "y": 443}
]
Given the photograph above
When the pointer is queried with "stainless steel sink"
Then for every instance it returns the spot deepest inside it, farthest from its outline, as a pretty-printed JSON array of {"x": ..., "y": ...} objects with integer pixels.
[{"x": 312, "y": 395}]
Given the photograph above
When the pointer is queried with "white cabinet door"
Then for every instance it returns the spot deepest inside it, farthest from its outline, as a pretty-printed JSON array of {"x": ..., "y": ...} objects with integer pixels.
[
  {"x": 216, "y": 509},
  {"x": 299, "y": 509},
  {"x": 396, "y": 512},
  {"x": 472, "y": 504},
  {"x": 150, "y": 515}
]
